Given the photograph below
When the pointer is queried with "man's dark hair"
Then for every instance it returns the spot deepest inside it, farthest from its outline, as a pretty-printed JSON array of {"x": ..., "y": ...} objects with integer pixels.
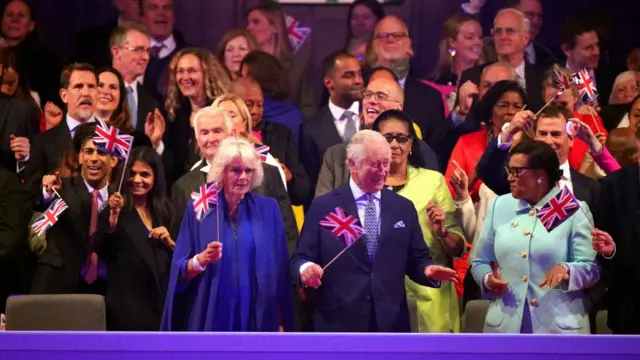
[
  {"x": 329, "y": 63},
  {"x": 84, "y": 133},
  {"x": 555, "y": 111},
  {"x": 65, "y": 77},
  {"x": 573, "y": 28}
]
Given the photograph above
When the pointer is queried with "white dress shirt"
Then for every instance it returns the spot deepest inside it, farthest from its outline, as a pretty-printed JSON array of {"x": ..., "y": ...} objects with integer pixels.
[
  {"x": 169, "y": 46},
  {"x": 522, "y": 80},
  {"x": 565, "y": 180},
  {"x": 530, "y": 53},
  {"x": 337, "y": 113}
]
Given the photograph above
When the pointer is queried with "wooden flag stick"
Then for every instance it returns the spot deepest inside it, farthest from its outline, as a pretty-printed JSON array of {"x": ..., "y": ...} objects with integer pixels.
[
  {"x": 593, "y": 116},
  {"x": 124, "y": 170},
  {"x": 56, "y": 192},
  {"x": 549, "y": 102},
  {"x": 337, "y": 256}
]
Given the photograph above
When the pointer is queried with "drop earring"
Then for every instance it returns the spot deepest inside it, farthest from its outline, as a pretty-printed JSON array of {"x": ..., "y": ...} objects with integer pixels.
[
  {"x": 452, "y": 52},
  {"x": 539, "y": 181}
]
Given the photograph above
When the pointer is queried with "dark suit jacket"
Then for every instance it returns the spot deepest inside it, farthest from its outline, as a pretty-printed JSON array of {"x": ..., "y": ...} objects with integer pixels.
[
  {"x": 146, "y": 104},
  {"x": 283, "y": 147},
  {"x": 138, "y": 269},
  {"x": 271, "y": 186},
  {"x": 180, "y": 144},
  {"x": 47, "y": 149},
  {"x": 14, "y": 250},
  {"x": 335, "y": 172},
  {"x": 617, "y": 213},
  {"x": 59, "y": 267},
  {"x": 425, "y": 107},
  {"x": 491, "y": 170},
  {"x": 17, "y": 117},
  {"x": 533, "y": 77},
  {"x": 92, "y": 46},
  {"x": 157, "y": 74},
  {"x": 544, "y": 57},
  {"x": 358, "y": 295},
  {"x": 317, "y": 135}
]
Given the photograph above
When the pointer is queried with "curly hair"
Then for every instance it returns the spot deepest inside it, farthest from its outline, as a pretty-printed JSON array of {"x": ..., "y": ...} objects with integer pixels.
[{"x": 216, "y": 79}]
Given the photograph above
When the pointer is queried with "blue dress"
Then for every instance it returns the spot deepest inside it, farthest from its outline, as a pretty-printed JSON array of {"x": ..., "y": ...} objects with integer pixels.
[{"x": 248, "y": 289}]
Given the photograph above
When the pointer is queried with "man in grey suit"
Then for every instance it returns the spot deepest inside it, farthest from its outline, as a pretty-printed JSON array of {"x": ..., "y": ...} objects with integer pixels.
[
  {"x": 211, "y": 126},
  {"x": 383, "y": 93}
]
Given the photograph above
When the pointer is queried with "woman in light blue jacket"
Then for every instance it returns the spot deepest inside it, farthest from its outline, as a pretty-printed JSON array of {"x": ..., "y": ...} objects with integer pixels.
[{"x": 533, "y": 259}]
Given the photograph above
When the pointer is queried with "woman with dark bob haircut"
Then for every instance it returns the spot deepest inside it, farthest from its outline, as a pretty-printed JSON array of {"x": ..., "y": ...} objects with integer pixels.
[
  {"x": 533, "y": 259},
  {"x": 438, "y": 309}
]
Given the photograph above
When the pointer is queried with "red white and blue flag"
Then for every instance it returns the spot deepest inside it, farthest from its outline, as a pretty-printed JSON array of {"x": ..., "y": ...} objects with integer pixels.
[
  {"x": 342, "y": 225},
  {"x": 558, "y": 209},
  {"x": 561, "y": 80},
  {"x": 49, "y": 217},
  {"x": 109, "y": 139},
  {"x": 586, "y": 87},
  {"x": 204, "y": 198},
  {"x": 263, "y": 151},
  {"x": 298, "y": 33}
]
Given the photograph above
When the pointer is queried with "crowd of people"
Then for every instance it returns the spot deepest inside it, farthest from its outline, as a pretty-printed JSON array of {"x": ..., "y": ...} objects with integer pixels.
[{"x": 248, "y": 202}]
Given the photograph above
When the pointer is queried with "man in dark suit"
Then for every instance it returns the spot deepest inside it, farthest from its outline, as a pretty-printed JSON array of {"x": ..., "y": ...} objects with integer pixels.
[
  {"x": 550, "y": 127},
  {"x": 92, "y": 46},
  {"x": 159, "y": 18},
  {"x": 18, "y": 126},
  {"x": 363, "y": 290},
  {"x": 78, "y": 90},
  {"x": 581, "y": 45},
  {"x": 391, "y": 48},
  {"x": 130, "y": 47},
  {"x": 616, "y": 218},
  {"x": 68, "y": 264},
  {"x": 337, "y": 121},
  {"x": 211, "y": 127},
  {"x": 511, "y": 36}
]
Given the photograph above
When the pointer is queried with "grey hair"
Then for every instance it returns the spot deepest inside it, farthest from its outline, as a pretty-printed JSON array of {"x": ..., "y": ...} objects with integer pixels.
[
  {"x": 357, "y": 150},
  {"x": 504, "y": 65},
  {"x": 231, "y": 148},
  {"x": 622, "y": 77},
  {"x": 212, "y": 111},
  {"x": 526, "y": 24}
]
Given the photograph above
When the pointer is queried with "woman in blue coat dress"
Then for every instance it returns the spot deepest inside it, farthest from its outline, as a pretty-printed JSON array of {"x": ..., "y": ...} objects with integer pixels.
[{"x": 247, "y": 289}]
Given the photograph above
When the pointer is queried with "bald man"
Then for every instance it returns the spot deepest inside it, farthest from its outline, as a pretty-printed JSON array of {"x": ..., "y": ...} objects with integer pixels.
[
  {"x": 278, "y": 137},
  {"x": 382, "y": 93}
]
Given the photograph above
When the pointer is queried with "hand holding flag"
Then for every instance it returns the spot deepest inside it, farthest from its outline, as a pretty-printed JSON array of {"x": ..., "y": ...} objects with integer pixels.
[
  {"x": 345, "y": 228},
  {"x": 49, "y": 217}
]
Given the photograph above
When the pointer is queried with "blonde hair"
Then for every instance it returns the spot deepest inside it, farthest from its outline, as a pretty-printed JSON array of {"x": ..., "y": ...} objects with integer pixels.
[
  {"x": 211, "y": 112},
  {"x": 622, "y": 77},
  {"x": 451, "y": 30},
  {"x": 230, "y": 149},
  {"x": 243, "y": 111},
  {"x": 273, "y": 13},
  {"x": 216, "y": 79}
]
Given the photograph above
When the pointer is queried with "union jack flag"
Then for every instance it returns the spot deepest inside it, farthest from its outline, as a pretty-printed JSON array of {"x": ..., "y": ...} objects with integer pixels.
[
  {"x": 109, "y": 139},
  {"x": 49, "y": 217},
  {"x": 298, "y": 33},
  {"x": 263, "y": 150},
  {"x": 206, "y": 195},
  {"x": 342, "y": 225},
  {"x": 558, "y": 209},
  {"x": 561, "y": 80},
  {"x": 585, "y": 85}
]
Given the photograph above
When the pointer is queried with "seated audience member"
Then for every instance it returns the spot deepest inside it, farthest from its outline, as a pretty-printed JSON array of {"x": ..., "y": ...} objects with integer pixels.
[
  {"x": 362, "y": 17},
  {"x": 68, "y": 265},
  {"x": 623, "y": 145},
  {"x": 248, "y": 288},
  {"x": 135, "y": 244},
  {"x": 625, "y": 88},
  {"x": 623, "y": 115},
  {"x": 233, "y": 47},
  {"x": 268, "y": 25},
  {"x": 280, "y": 140},
  {"x": 535, "y": 272},
  {"x": 438, "y": 308},
  {"x": 266, "y": 70}
]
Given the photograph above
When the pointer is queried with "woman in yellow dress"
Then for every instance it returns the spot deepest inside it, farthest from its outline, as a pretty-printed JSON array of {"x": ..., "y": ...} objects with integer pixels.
[{"x": 438, "y": 309}]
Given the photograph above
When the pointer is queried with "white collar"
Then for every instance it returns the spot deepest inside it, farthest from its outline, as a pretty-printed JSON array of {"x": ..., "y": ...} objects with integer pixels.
[
  {"x": 137, "y": 81},
  {"x": 104, "y": 192},
  {"x": 169, "y": 43},
  {"x": 204, "y": 169},
  {"x": 358, "y": 193},
  {"x": 337, "y": 111},
  {"x": 520, "y": 69},
  {"x": 73, "y": 123},
  {"x": 566, "y": 171}
]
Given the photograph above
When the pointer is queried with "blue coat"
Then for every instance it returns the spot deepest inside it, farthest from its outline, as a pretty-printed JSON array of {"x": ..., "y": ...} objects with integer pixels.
[
  {"x": 524, "y": 260},
  {"x": 190, "y": 305},
  {"x": 358, "y": 295}
]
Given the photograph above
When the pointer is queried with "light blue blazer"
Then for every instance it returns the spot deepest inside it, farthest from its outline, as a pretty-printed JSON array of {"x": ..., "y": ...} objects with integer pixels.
[{"x": 525, "y": 251}]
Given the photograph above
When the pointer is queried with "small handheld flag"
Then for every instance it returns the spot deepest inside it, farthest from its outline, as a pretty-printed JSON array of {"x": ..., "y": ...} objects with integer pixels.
[
  {"x": 298, "y": 33},
  {"x": 586, "y": 87},
  {"x": 206, "y": 196},
  {"x": 561, "y": 80},
  {"x": 263, "y": 151},
  {"x": 558, "y": 209},
  {"x": 109, "y": 139},
  {"x": 49, "y": 217},
  {"x": 344, "y": 226}
]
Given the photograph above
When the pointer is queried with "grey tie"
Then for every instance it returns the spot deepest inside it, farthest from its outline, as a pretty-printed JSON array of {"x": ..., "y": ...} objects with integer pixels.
[
  {"x": 371, "y": 226},
  {"x": 133, "y": 106},
  {"x": 350, "y": 128}
]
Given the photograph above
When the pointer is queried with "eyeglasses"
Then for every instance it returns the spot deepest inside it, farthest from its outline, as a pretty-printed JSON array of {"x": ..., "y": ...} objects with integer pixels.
[
  {"x": 378, "y": 96},
  {"x": 392, "y": 36},
  {"x": 515, "y": 171},
  {"x": 400, "y": 138},
  {"x": 140, "y": 50}
]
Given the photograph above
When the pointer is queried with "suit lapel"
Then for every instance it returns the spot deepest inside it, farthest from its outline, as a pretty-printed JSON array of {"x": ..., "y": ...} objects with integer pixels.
[
  {"x": 580, "y": 189},
  {"x": 62, "y": 140},
  {"x": 83, "y": 201},
  {"x": 137, "y": 232},
  {"x": 348, "y": 204},
  {"x": 328, "y": 129}
]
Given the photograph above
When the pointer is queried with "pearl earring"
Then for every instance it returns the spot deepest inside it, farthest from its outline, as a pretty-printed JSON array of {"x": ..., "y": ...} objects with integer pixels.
[
  {"x": 539, "y": 181},
  {"x": 452, "y": 52}
]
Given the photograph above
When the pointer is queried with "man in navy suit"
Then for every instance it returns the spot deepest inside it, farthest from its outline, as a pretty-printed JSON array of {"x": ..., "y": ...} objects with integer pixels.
[{"x": 363, "y": 290}]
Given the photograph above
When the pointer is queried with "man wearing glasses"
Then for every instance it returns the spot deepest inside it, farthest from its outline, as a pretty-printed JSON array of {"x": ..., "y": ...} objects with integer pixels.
[{"x": 130, "y": 50}]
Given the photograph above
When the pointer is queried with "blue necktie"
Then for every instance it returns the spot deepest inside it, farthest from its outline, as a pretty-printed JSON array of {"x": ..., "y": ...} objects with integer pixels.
[
  {"x": 371, "y": 226},
  {"x": 133, "y": 106}
]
